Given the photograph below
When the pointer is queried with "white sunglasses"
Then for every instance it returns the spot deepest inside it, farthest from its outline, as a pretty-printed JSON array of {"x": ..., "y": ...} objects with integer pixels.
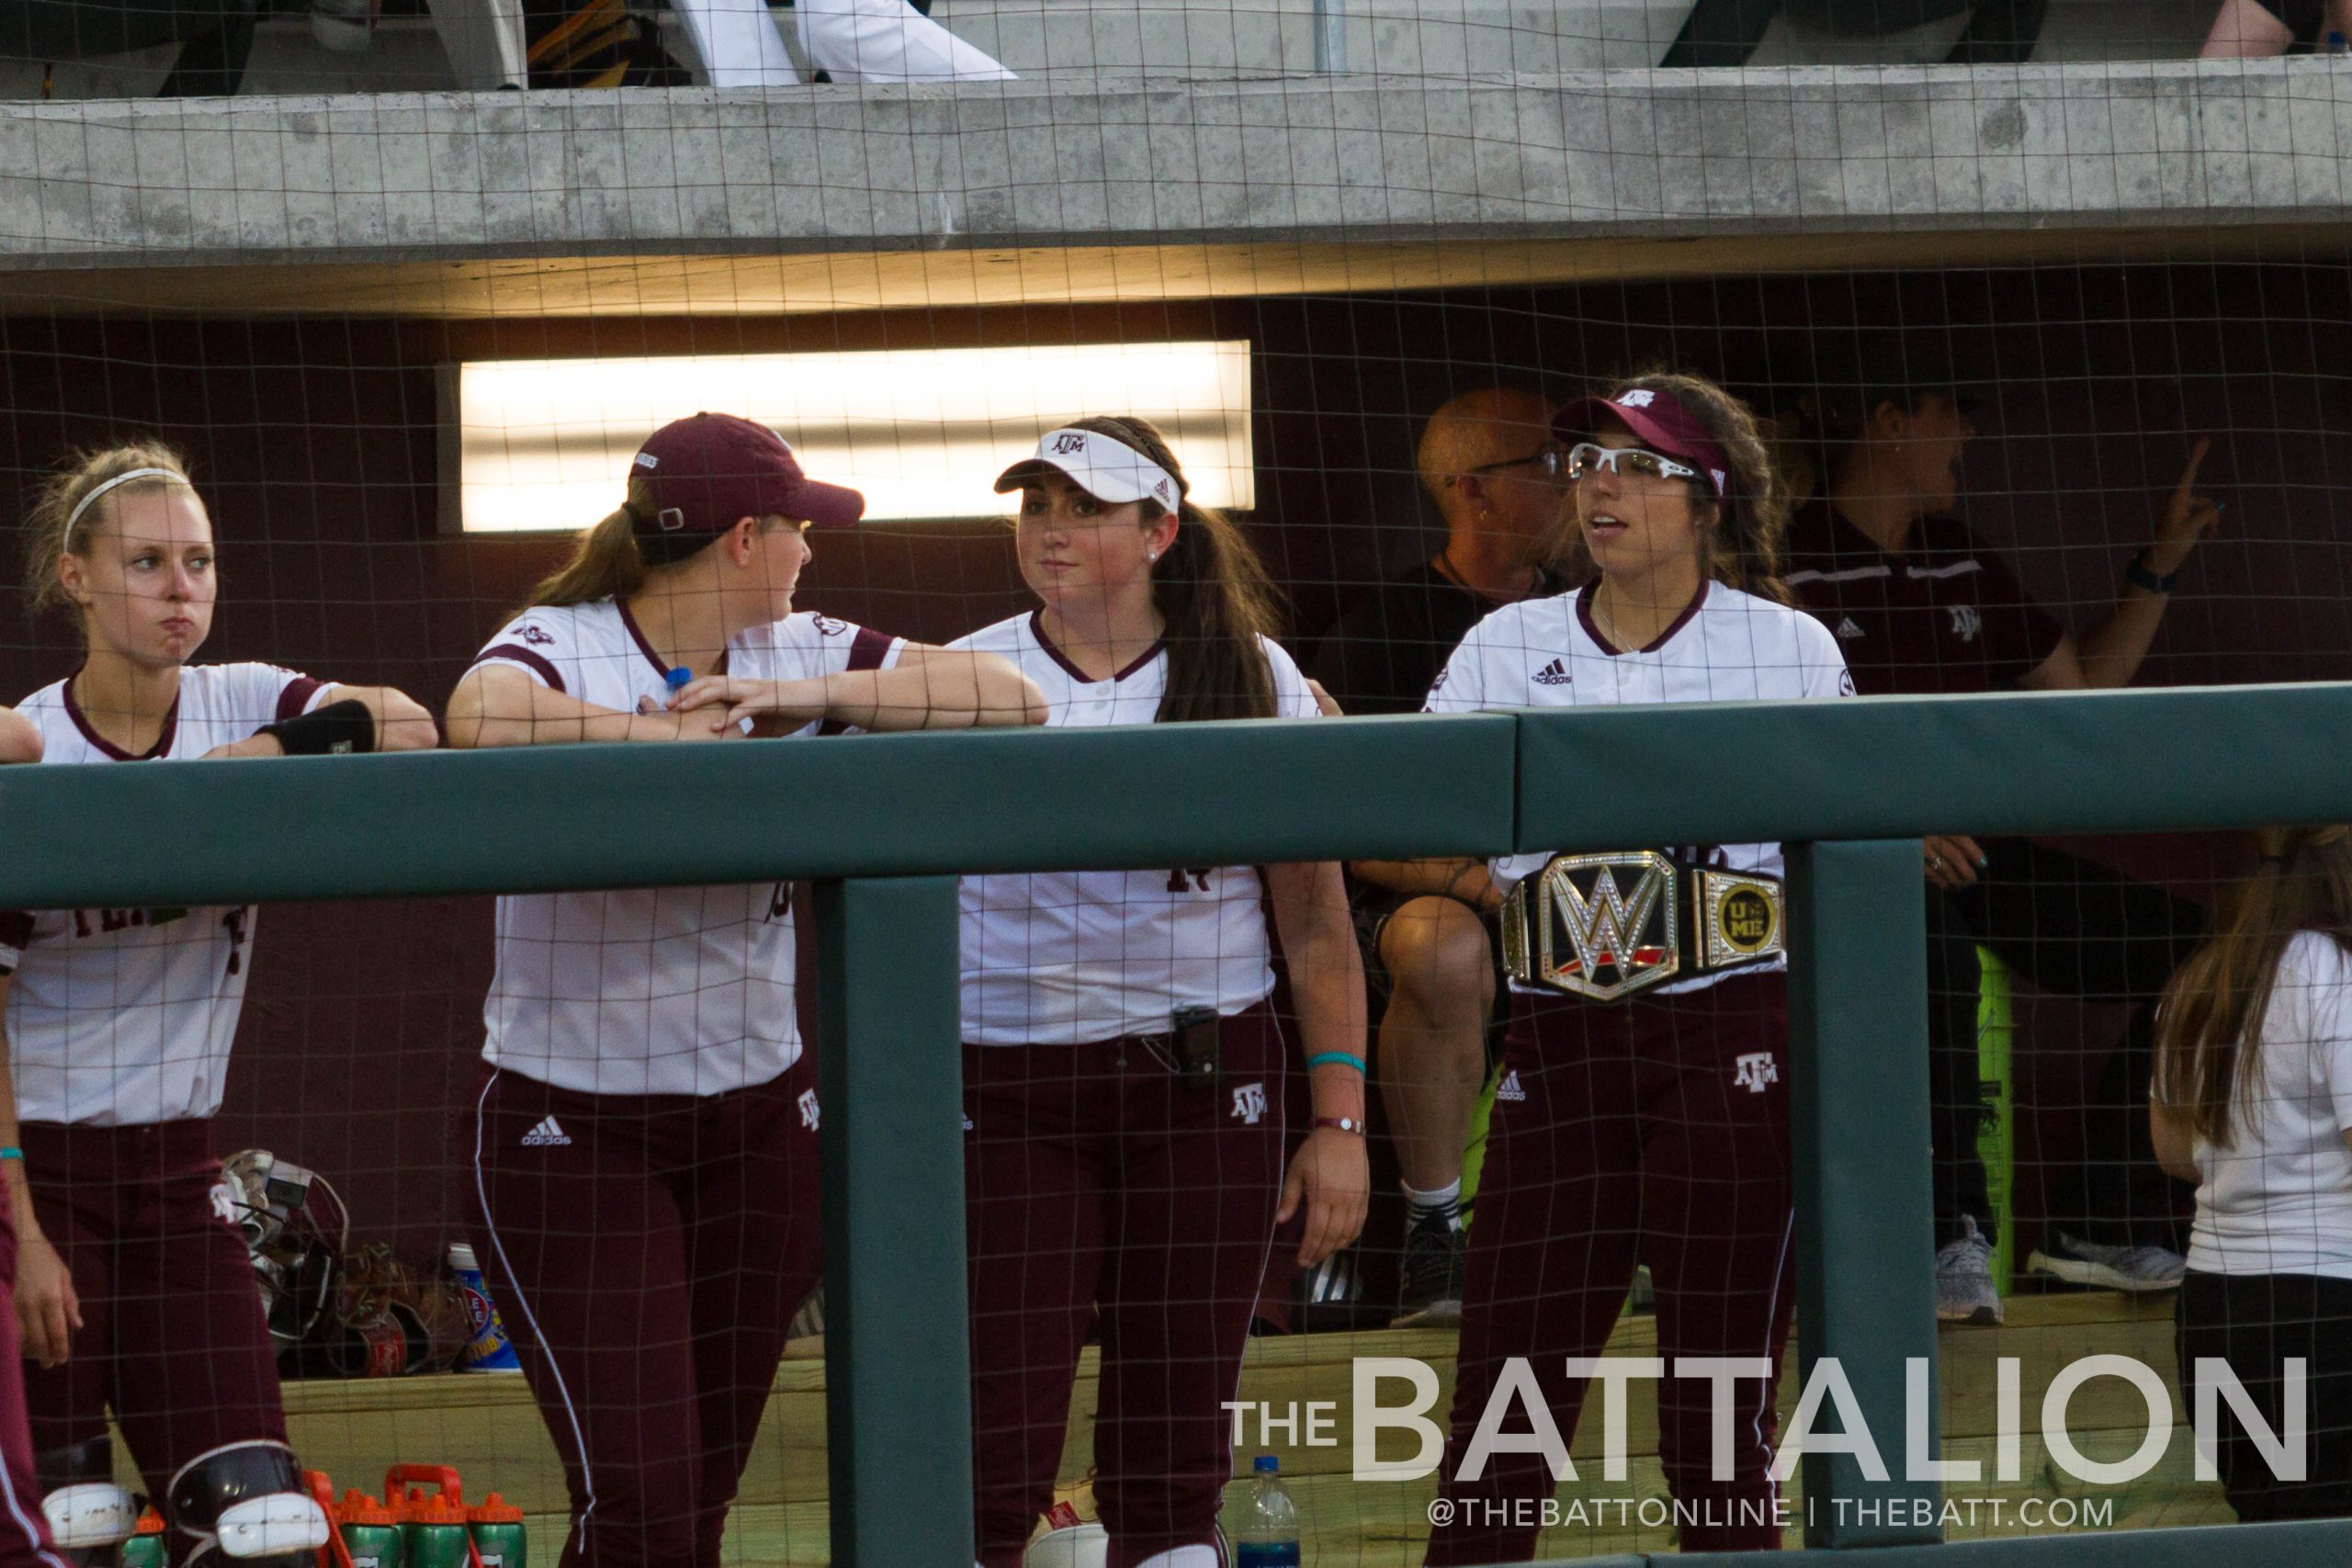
[{"x": 1585, "y": 455}]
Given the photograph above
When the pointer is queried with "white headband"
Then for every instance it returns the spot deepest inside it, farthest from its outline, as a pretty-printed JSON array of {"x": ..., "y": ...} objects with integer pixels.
[{"x": 83, "y": 504}]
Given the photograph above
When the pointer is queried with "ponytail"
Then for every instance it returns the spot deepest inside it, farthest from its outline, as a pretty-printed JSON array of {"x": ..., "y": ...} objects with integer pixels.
[
  {"x": 605, "y": 564},
  {"x": 1212, "y": 593}
]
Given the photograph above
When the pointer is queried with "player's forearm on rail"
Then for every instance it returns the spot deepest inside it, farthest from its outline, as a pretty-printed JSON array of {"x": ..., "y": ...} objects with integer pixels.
[
  {"x": 19, "y": 740},
  {"x": 402, "y": 724},
  {"x": 938, "y": 690},
  {"x": 495, "y": 707}
]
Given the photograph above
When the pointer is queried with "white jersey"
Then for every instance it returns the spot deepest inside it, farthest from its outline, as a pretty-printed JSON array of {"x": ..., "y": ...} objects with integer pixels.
[
  {"x": 2280, "y": 1201},
  {"x": 1727, "y": 647},
  {"x": 1061, "y": 958},
  {"x": 125, "y": 1017},
  {"x": 652, "y": 990}
]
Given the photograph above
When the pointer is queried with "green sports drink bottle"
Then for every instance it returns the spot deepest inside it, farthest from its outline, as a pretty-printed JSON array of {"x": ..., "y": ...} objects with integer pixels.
[
  {"x": 435, "y": 1535},
  {"x": 145, "y": 1550},
  {"x": 371, "y": 1532},
  {"x": 497, "y": 1527}
]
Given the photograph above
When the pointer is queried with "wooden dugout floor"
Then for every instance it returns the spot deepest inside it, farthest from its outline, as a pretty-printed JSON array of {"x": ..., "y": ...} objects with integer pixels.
[{"x": 487, "y": 1426}]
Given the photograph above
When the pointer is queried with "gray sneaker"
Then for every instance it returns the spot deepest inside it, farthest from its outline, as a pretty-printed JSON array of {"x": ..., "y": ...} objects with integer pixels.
[
  {"x": 1964, "y": 1291},
  {"x": 2133, "y": 1269}
]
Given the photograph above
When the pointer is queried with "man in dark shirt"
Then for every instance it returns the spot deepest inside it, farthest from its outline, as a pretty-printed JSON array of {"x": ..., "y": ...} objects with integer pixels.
[
  {"x": 1920, "y": 606},
  {"x": 1426, "y": 923}
]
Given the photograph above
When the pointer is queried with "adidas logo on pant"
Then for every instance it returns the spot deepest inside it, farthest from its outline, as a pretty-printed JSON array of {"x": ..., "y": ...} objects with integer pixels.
[
  {"x": 549, "y": 1133},
  {"x": 1509, "y": 1089},
  {"x": 1553, "y": 675}
]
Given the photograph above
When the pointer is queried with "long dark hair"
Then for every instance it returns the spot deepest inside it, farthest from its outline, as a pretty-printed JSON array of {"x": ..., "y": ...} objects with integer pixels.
[
  {"x": 1744, "y": 545},
  {"x": 2209, "y": 1027},
  {"x": 1211, "y": 589}
]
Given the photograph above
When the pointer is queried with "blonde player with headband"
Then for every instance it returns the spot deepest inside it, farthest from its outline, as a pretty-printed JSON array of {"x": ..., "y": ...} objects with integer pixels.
[
  {"x": 646, "y": 1186},
  {"x": 132, "y": 1293},
  {"x": 1122, "y": 1068}
]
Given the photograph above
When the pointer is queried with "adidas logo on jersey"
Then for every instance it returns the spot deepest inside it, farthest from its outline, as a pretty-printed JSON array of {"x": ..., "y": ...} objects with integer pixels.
[
  {"x": 547, "y": 1134},
  {"x": 1553, "y": 675},
  {"x": 1509, "y": 1089},
  {"x": 1849, "y": 629}
]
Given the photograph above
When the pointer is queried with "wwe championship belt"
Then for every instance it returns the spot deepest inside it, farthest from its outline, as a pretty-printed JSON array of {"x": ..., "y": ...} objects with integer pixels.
[{"x": 1605, "y": 927}]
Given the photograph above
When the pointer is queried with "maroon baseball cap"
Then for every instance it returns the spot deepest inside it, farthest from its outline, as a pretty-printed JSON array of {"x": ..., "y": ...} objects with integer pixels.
[
  {"x": 709, "y": 472},
  {"x": 1658, "y": 420}
]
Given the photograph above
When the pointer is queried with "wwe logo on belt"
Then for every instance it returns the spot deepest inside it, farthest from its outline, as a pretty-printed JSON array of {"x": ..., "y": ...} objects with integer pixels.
[{"x": 1617, "y": 942}]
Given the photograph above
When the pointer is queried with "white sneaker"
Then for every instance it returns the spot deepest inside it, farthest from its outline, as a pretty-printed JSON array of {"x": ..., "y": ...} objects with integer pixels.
[
  {"x": 2133, "y": 1269},
  {"x": 1964, "y": 1291}
]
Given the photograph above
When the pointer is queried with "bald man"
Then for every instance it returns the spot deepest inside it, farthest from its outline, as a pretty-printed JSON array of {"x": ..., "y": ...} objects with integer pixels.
[{"x": 1427, "y": 924}]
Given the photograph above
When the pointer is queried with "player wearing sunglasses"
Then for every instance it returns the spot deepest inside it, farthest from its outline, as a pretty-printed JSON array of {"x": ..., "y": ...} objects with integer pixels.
[{"x": 1642, "y": 1116}]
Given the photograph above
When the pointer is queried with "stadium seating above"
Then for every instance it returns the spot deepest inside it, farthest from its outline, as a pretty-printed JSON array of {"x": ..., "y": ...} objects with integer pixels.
[{"x": 466, "y": 44}]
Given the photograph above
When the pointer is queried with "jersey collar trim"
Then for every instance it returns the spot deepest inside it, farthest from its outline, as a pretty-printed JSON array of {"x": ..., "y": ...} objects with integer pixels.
[
  {"x": 1592, "y": 627},
  {"x": 637, "y": 635},
  {"x": 1037, "y": 630},
  {"x": 108, "y": 748}
]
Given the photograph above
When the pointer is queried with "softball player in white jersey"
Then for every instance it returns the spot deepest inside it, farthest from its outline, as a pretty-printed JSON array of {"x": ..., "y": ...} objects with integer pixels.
[
  {"x": 1124, "y": 1071},
  {"x": 131, "y": 1293},
  {"x": 1642, "y": 1116},
  {"x": 645, "y": 1187}
]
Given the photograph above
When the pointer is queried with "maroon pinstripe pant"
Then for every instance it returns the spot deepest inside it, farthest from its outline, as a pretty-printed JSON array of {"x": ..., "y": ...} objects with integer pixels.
[
  {"x": 1096, "y": 1183},
  {"x": 647, "y": 1253},
  {"x": 172, "y": 1334},
  {"x": 1653, "y": 1132}
]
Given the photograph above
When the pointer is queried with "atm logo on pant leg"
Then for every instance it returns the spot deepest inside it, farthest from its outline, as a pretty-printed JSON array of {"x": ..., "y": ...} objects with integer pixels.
[
  {"x": 1757, "y": 1069},
  {"x": 1249, "y": 1103}
]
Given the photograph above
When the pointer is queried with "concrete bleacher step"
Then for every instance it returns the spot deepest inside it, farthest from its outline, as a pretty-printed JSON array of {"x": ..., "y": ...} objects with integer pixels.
[{"x": 488, "y": 1428}]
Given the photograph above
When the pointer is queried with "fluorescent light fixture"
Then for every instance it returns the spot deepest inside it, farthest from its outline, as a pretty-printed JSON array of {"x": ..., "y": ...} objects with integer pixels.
[{"x": 544, "y": 445}]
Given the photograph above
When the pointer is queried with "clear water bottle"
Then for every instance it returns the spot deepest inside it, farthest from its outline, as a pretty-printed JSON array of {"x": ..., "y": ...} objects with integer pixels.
[{"x": 1268, "y": 1534}]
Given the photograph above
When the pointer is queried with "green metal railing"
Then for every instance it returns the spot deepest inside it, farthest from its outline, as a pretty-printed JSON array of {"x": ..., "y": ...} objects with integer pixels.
[{"x": 883, "y": 824}]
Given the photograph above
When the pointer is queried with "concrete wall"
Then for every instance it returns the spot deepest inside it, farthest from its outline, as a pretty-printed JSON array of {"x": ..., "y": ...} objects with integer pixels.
[{"x": 2191, "y": 149}]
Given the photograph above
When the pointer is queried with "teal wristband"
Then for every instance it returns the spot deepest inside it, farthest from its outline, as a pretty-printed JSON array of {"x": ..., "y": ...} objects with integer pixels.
[
  {"x": 11, "y": 1151},
  {"x": 1314, "y": 1061}
]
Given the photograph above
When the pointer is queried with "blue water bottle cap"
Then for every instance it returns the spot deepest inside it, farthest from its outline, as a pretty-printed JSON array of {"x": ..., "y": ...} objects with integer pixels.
[
  {"x": 679, "y": 679},
  {"x": 1266, "y": 1464}
]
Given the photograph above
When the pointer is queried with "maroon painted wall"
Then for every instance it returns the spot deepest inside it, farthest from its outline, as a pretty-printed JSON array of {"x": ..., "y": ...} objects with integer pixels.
[{"x": 315, "y": 443}]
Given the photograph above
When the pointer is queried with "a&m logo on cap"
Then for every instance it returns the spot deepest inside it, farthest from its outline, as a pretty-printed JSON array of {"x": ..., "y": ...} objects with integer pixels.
[
  {"x": 648, "y": 460},
  {"x": 1067, "y": 443},
  {"x": 1639, "y": 398}
]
